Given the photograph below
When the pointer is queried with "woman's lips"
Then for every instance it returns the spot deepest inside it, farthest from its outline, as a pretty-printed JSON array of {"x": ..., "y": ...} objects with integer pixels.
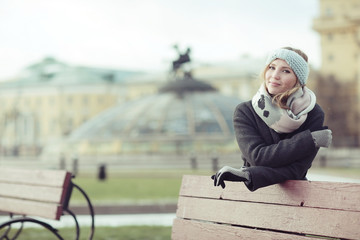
[{"x": 274, "y": 84}]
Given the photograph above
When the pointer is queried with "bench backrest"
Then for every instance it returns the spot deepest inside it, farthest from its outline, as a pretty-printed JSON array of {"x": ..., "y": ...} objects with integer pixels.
[
  {"x": 43, "y": 193},
  {"x": 290, "y": 210}
]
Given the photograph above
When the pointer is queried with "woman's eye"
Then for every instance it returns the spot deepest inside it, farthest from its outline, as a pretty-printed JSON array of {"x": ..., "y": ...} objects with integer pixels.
[
  {"x": 271, "y": 67},
  {"x": 287, "y": 71}
]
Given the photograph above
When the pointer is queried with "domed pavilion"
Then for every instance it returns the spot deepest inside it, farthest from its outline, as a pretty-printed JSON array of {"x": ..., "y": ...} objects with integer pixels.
[{"x": 186, "y": 115}]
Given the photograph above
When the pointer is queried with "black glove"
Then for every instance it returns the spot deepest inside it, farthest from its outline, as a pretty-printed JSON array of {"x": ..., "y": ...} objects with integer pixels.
[{"x": 230, "y": 174}]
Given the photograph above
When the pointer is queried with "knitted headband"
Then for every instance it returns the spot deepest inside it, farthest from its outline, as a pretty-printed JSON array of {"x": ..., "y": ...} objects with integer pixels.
[{"x": 295, "y": 61}]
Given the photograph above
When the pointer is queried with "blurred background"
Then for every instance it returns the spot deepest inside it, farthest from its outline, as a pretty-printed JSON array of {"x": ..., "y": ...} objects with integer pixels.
[{"x": 126, "y": 92}]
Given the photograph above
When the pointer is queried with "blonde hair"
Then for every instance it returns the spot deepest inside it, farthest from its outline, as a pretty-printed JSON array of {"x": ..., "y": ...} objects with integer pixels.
[{"x": 281, "y": 98}]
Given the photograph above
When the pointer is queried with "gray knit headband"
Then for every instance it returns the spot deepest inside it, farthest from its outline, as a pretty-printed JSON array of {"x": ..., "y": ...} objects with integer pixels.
[{"x": 295, "y": 61}]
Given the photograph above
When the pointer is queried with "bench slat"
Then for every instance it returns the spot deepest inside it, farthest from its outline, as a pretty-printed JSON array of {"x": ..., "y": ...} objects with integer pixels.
[
  {"x": 326, "y": 222},
  {"x": 35, "y": 184},
  {"x": 52, "y": 178},
  {"x": 332, "y": 195},
  {"x": 195, "y": 230},
  {"x": 39, "y": 193},
  {"x": 42, "y": 193},
  {"x": 31, "y": 208}
]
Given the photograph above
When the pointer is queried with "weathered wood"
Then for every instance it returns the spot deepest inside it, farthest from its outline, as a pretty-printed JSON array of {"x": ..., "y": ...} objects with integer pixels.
[
  {"x": 325, "y": 222},
  {"x": 41, "y": 193},
  {"x": 30, "y": 195},
  {"x": 38, "y": 193},
  {"x": 195, "y": 230},
  {"x": 292, "y": 208},
  {"x": 31, "y": 208},
  {"x": 333, "y": 195},
  {"x": 53, "y": 178},
  {"x": 41, "y": 185}
]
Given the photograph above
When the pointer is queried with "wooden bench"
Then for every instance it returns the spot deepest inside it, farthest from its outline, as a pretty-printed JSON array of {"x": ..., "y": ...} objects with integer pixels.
[
  {"x": 36, "y": 193},
  {"x": 291, "y": 210}
]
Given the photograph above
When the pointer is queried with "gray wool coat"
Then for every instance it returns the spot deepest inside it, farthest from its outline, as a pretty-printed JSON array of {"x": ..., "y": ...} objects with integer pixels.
[{"x": 272, "y": 157}]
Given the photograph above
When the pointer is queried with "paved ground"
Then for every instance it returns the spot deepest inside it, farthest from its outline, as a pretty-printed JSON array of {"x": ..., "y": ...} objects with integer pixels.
[
  {"x": 163, "y": 219},
  {"x": 127, "y": 209},
  {"x": 327, "y": 178}
]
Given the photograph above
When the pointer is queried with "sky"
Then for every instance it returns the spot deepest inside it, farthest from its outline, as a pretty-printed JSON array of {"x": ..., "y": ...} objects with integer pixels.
[{"x": 140, "y": 34}]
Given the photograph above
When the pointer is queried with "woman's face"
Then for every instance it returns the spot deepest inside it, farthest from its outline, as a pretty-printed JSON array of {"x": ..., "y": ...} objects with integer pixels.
[{"x": 279, "y": 77}]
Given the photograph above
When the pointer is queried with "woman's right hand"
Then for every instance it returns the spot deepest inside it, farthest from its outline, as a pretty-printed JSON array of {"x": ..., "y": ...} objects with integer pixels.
[{"x": 230, "y": 174}]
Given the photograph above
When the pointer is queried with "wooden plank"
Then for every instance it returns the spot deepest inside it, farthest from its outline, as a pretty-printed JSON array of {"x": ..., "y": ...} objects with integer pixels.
[
  {"x": 54, "y": 178},
  {"x": 333, "y": 195},
  {"x": 195, "y": 230},
  {"x": 40, "y": 193},
  {"x": 30, "y": 192},
  {"x": 324, "y": 222},
  {"x": 25, "y": 207}
]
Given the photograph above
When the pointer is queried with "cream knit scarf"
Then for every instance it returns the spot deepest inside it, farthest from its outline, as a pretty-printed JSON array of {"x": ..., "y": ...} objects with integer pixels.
[{"x": 281, "y": 120}]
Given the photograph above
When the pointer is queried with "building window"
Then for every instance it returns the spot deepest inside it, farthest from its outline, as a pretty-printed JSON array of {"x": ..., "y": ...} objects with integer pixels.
[
  {"x": 330, "y": 57},
  {"x": 52, "y": 126},
  {"x": 51, "y": 101},
  {"x": 38, "y": 101},
  {"x": 330, "y": 36},
  {"x": 100, "y": 99},
  {"x": 85, "y": 100},
  {"x": 70, "y": 123},
  {"x": 329, "y": 12}
]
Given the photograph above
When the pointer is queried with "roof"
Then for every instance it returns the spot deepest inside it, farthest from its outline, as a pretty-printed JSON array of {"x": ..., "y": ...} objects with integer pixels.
[{"x": 53, "y": 72}]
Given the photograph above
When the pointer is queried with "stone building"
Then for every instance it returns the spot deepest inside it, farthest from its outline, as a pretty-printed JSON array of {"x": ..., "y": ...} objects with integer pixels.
[
  {"x": 50, "y": 98},
  {"x": 338, "y": 81}
]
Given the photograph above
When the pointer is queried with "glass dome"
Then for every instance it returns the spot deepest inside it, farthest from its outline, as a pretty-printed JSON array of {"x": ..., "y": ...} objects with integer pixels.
[
  {"x": 186, "y": 115},
  {"x": 196, "y": 115},
  {"x": 167, "y": 118}
]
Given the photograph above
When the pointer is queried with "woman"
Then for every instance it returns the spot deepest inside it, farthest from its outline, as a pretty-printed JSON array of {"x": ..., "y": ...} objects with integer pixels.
[{"x": 280, "y": 130}]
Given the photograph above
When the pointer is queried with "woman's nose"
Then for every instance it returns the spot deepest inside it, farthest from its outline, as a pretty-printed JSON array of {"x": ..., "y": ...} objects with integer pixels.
[{"x": 276, "y": 75}]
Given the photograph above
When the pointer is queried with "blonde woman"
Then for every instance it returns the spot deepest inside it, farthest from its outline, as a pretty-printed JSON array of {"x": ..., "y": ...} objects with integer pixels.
[{"x": 280, "y": 130}]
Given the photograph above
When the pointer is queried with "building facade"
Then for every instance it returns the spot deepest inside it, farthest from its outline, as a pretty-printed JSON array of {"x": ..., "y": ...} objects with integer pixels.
[
  {"x": 50, "y": 99},
  {"x": 338, "y": 25}
]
